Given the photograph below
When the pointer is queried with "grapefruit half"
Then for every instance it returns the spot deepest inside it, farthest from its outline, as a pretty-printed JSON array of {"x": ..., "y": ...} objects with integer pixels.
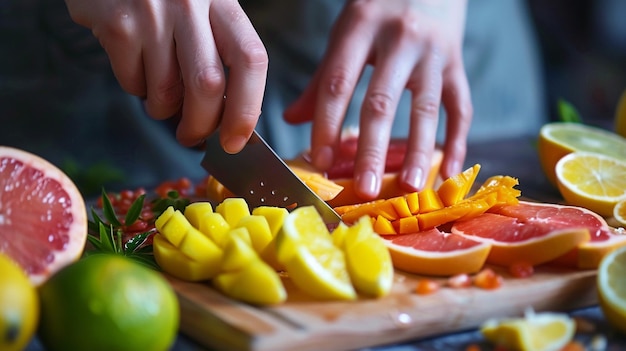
[
  {"x": 43, "y": 221},
  {"x": 433, "y": 252},
  {"x": 534, "y": 233}
]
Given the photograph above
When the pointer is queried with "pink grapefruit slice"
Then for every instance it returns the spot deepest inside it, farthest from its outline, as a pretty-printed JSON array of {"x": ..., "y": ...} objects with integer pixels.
[
  {"x": 534, "y": 233},
  {"x": 43, "y": 221},
  {"x": 433, "y": 252}
]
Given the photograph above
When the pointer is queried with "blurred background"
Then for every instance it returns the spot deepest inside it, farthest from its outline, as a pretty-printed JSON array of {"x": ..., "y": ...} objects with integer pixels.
[{"x": 59, "y": 98}]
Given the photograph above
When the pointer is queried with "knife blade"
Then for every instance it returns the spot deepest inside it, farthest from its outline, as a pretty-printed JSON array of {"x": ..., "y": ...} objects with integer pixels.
[{"x": 261, "y": 177}]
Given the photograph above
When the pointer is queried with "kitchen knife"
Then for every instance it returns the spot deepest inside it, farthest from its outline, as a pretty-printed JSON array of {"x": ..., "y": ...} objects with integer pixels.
[{"x": 260, "y": 176}]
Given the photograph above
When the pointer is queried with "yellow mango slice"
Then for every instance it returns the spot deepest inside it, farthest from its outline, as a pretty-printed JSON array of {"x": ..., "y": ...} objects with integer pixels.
[
  {"x": 275, "y": 216},
  {"x": 237, "y": 254},
  {"x": 259, "y": 231},
  {"x": 214, "y": 226},
  {"x": 455, "y": 188},
  {"x": 200, "y": 248},
  {"x": 174, "y": 227},
  {"x": 401, "y": 206},
  {"x": 233, "y": 210},
  {"x": 256, "y": 284},
  {"x": 429, "y": 200},
  {"x": 195, "y": 212},
  {"x": 383, "y": 226},
  {"x": 406, "y": 225},
  {"x": 174, "y": 262},
  {"x": 412, "y": 200}
]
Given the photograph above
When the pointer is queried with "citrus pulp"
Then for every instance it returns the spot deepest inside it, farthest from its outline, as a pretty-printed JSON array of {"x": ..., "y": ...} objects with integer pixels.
[
  {"x": 592, "y": 180},
  {"x": 43, "y": 221},
  {"x": 315, "y": 265},
  {"x": 107, "y": 302},
  {"x": 619, "y": 212},
  {"x": 558, "y": 139},
  {"x": 612, "y": 288},
  {"x": 19, "y": 306}
]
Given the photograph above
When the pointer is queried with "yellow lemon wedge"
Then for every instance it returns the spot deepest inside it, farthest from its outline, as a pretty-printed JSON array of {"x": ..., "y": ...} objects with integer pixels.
[
  {"x": 368, "y": 259},
  {"x": 612, "y": 288},
  {"x": 545, "y": 331},
  {"x": 619, "y": 212},
  {"x": 314, "y": 264},
  {"x": 558, "y": 139},
  {"x": 591, "y": 180}
]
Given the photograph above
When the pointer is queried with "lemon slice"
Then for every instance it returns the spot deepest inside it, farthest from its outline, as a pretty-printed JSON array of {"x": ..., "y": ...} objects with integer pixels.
[
  {"x": 619, "y": 212},
  {"x": 558, "y": 139},
  {"x": 368, "y": 259},
  {"x": 592, "y": 180},
  {"x": 314, "y": 264},
  {"x": 545, "y": 331},
  {"x": 612, "y": 287}
]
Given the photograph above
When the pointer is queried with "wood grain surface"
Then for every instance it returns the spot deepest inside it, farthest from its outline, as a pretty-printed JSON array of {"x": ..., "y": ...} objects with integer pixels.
[{"x": 303, "y": 323}]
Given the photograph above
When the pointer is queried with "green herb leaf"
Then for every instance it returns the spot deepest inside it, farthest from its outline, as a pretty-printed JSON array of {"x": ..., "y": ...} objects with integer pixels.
[
  {"x": 106, "y": 238},
  {"x": 134, "y": 211},
  {"x": 134, "y": 243},
  {"x": 109, "y": 212},
  {"x": 567, "y": 112}
]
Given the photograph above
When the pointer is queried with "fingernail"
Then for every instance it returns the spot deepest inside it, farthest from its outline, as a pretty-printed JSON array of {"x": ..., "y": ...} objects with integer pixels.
[
  {"x": 234, "y": 144},
  {"x": 323, "y": 158},
  {"x": 414, "y": 177},
  {"x": 456, "y": 167},
  {"x": 368, "y": 183}
]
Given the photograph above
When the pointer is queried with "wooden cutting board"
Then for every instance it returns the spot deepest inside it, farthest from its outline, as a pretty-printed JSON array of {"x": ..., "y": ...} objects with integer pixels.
[{"x": 302, "y": 323}]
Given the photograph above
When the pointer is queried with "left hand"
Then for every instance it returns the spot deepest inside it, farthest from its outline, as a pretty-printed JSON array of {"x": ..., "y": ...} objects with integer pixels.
[{"x": 412, "y": 44}]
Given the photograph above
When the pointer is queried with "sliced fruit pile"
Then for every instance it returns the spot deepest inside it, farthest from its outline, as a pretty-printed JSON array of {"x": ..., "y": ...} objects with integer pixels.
[{"x": 238, "y": 250}]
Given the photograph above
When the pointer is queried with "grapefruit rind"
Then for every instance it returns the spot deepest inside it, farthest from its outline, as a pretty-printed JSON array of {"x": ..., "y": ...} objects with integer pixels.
[
  {"x": 438, "y": 263},
  {"x": 77, "y": 231}
]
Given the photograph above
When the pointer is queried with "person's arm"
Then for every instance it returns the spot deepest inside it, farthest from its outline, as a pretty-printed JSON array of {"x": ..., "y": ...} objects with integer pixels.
[
  {"x": 173, "y": 54},
  {"x": 412, "y": 44}
]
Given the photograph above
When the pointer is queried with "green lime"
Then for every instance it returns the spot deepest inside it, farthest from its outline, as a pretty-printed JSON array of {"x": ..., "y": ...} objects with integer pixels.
[{"x": 107, "y": 302}]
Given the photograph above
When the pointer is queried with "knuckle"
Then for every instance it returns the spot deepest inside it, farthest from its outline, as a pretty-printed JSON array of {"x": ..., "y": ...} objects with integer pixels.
[
  {"x": 169, "y": 93},
  {"x": 426, "y": 108},
  {"x": 255, "y": 56},
  {"x": 209, "y": 80},
  {"x": 378, "y": 104},
  {"x": 338, "y": 85}
]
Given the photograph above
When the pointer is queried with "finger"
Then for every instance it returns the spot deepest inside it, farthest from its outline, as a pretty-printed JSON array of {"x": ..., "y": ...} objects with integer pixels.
[
  {"x": 203, "y": 76},
  {"x": 457, "y": 100},
  {"x": 377, "y": 114},
  {"x": 119, "y": 36},
  {"x": 302, "y": 109},
  {"x": 164, "y": 84},
  {"x": 425, "y": 86},
  {"x": 246, "y": 58},
  {"x": 338, "y": 77}
]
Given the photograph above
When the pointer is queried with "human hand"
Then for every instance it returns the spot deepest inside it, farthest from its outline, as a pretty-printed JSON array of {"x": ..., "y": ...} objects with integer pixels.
[
  {"x": 412, "y": 44},
  {"x": 173, "y": 54}
]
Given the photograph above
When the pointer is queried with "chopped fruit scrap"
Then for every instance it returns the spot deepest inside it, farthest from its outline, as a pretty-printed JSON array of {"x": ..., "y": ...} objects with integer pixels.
[{"x": 545, "y": 331}]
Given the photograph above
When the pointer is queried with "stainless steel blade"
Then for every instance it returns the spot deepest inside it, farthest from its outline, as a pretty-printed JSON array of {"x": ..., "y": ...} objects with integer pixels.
[{"x": 260, "y": 176}]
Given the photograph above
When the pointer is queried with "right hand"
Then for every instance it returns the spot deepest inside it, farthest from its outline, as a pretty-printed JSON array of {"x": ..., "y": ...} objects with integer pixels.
[{"x": 173, "y": 54}]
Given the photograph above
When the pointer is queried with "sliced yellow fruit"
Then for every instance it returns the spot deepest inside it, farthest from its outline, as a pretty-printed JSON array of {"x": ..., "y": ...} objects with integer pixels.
[
  {"x": 196, "y": 211},
  {"x": 591, "y": 180},
  {"x": 237, "y": 254},
  {"x": 314, "y": 264},
  {"x": 619, "y": 212},
  {"x": 534, "y": 332},
  {"x": 173, "y": 261},
  {"x": 259, "y": 231},
  {"x": 367, "y": 258},
  {"x": 233, "y": 210},
  {"x": 257, "y": 283},
  {"x": 558, "y": 139},
  {"x": 214, "y": 226},
  {"x": 173, "y": 225},
  {"x": 275, "y": 216},
  {"x": 455, "y": 188},
  {"x": 612, "y": 288}
]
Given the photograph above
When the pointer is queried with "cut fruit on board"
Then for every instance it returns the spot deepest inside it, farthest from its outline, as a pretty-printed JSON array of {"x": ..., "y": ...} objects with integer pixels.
[
  {"x": 612, "y": 288},
  {"x": 558, "y": 139},
  {"x": 534, "y": 233},
  {"x": 43, "y": 221},
  {"x": 434, "y": 252},
  {"x": 591, "y": 180}
]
